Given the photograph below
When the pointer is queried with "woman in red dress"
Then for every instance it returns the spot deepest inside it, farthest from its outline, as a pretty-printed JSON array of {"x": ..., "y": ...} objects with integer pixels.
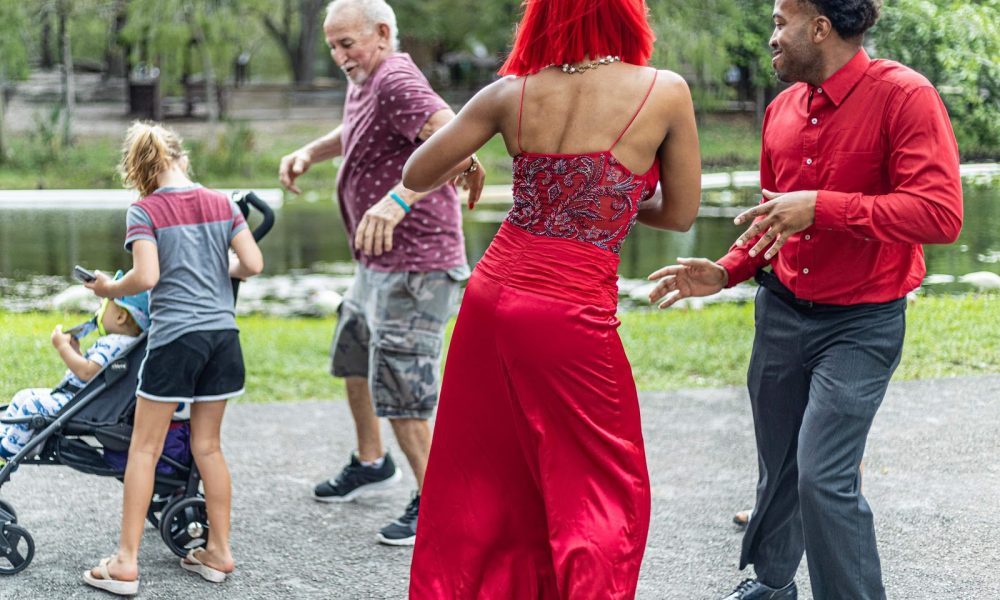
[{"x": 537, "y": 484}]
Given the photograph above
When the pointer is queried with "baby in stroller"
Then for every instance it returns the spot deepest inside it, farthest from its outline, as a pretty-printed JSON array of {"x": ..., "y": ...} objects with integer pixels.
[
  {"x": 85, "y": 423},
  {"x": 119, "y": 322}
]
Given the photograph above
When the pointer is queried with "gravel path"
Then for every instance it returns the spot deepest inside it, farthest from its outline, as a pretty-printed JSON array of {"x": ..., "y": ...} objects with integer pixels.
[{"x": 931, "y": 477}]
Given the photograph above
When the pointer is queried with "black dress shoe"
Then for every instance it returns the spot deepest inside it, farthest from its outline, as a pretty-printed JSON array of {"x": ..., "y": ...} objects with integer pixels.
[{"x": 751, "y": 589}]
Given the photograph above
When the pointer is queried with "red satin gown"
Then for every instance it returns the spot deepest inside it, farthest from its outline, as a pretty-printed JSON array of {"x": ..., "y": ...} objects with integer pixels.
[{"x": 537, "y": 485}]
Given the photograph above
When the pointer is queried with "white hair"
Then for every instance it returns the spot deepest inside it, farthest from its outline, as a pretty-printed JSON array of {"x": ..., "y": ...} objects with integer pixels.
[{"x": 375, "y": 12}]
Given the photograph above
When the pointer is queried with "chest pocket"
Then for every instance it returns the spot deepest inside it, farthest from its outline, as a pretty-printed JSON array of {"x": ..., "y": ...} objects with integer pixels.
[{"x": 857, "y": 172}]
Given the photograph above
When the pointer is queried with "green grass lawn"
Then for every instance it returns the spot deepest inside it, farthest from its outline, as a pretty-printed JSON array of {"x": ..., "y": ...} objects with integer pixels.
[{"x": 287, "y": 358}]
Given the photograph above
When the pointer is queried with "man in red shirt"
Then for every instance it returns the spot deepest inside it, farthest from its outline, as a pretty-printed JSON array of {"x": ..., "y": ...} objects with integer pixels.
[{"x": 859, "y": 167}]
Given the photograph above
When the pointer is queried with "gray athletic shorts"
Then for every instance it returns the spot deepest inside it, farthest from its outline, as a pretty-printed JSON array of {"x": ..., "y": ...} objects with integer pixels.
[{"x": 391, "y": 330}]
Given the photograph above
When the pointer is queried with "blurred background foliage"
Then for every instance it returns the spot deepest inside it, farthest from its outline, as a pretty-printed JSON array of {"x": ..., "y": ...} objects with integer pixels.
[{"x": 719, "y": 46}]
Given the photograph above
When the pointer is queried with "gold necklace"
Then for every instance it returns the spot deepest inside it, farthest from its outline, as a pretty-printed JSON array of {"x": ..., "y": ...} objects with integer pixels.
[{"x": 607, "y": 60}]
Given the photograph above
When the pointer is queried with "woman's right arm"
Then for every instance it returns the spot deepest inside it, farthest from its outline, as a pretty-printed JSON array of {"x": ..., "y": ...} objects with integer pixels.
[
  {"x": 249, "y": 260},
  {"x": 680, "y": 163},
  {"x": 446, "y": 153},
  {"x": 144, "y": 275}
]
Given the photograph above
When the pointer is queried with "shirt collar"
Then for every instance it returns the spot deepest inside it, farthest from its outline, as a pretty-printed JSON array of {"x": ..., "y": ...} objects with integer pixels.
[
  {"x": 356, "y": 89},
  {"x": 839, "y": 85},
  {"x": 184, "y": 188}
]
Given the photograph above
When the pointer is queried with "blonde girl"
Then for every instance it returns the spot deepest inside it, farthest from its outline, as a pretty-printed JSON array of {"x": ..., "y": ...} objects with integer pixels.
[{"x": 179, "y": 234}]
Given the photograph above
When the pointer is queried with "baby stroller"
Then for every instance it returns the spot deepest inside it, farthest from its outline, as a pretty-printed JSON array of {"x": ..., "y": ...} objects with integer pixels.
[{"x": 92, "y": 432}]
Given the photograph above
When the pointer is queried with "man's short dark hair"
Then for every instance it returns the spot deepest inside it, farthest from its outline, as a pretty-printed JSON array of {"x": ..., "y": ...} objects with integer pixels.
[{"x": 850, "y": 18}]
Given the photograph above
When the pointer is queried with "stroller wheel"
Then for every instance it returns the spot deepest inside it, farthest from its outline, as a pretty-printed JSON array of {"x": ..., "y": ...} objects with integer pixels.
[
  {"x": 184, "y": 525},
  {"x": 158, "y": 502},
  {"x": 20, "y": 549},
  {"x": 156, "y": 506},
  {"x": 7, "y": 508}
]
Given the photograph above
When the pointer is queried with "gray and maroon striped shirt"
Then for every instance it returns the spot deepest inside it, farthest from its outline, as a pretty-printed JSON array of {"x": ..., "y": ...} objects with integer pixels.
[{"x": 192, "y": 228}]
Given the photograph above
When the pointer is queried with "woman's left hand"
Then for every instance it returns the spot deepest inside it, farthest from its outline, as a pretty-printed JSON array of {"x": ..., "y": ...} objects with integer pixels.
[{"x": 473, "y": 183}]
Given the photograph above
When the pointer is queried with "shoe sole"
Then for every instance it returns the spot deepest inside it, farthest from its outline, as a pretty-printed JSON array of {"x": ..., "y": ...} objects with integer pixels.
[
  {"x": 199, "y": 568},
  {"x": 392, "y": 542},
  {"x": 114, "y": 586},
  {"x": 366, "y": 489}
]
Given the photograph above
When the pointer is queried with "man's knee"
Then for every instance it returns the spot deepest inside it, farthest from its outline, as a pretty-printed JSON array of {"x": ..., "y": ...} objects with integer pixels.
[
  {"x": 409, "y": 424},
  {"x": 357, "y": 387},
  {"x": 819, "y": 484},
  {"x": 811, "y": 486}
]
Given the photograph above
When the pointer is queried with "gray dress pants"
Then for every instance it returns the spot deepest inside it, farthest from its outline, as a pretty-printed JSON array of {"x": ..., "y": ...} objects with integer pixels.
[{"x": 817, "y": 376}]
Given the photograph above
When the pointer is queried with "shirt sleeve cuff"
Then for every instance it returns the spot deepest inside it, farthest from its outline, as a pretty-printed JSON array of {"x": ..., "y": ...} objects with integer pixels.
[
  {"x": 135, "y": 238},
  {"x": 831, "y": 210},
  {"x": 738, "y": 267}
]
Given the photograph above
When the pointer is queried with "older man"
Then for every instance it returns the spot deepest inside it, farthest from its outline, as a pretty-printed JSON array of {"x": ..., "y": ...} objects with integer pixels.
[
  {"x": 859, "y": 167},
  {"x": 409, "y": 248}
]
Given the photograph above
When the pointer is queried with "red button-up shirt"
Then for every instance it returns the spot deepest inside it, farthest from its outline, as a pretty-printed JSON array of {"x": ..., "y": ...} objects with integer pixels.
[{"x": 875, "y": 140}]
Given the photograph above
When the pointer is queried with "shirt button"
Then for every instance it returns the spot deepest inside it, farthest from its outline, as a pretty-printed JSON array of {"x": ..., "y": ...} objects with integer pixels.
[
  {"x": 808, "y": 237},
  {"x": 805, "y": 271},
  {"x": 819, "y": 90},
  {"x": 809, "y": 161},
  {"x": 814, "y": 120}
]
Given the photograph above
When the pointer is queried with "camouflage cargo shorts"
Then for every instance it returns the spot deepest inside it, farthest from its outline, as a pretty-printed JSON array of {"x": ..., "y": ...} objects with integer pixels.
[{"x": 391, "y": 331}]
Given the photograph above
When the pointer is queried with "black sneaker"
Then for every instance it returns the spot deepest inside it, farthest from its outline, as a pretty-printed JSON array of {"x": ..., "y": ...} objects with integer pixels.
[
  {"x": 402, "y": 531},
  {"x": 751, "y": 589},
  {"x": 356, "y": 479}
]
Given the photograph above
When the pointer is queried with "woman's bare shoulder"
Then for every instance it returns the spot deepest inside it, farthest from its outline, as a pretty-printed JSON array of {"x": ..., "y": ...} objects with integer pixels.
[
  {"x": 504, "y": 88},
  {"x": 497, "y": 94},
  {"x": 671, "y": 82},
  {"x": 672, "y": 90}
]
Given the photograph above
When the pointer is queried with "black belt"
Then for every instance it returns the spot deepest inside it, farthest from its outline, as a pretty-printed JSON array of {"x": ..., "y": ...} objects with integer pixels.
[{"x": 769, "y": 280}]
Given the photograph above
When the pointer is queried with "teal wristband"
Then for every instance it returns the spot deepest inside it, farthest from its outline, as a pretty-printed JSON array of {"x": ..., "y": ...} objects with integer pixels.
[{"x": 402, "y": 203}]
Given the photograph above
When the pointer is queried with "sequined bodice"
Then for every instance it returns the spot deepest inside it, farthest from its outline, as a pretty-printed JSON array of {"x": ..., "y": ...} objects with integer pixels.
[{"x": 591, "y": 198}]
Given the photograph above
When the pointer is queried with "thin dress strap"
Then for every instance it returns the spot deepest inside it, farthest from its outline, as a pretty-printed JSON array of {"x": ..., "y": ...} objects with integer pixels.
[
  {"x": 520, "y": 109},
  {"x": 637, "y": 111}
]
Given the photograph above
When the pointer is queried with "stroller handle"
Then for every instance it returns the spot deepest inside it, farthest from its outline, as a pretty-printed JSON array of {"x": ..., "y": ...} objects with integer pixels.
[
  {"x": 245, "y": 201},
  {"x": 251, "y": 199}
]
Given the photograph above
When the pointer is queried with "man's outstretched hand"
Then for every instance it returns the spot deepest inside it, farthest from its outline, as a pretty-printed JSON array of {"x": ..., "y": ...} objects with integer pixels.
[
  {"x": 293, "y": 165},
  {"x": 688, "y": 278}
]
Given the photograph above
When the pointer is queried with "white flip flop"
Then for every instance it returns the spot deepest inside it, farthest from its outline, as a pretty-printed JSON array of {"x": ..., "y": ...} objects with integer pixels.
[
  {"x": 108, "y": 583},
  {"x": 191, "y": 563}
]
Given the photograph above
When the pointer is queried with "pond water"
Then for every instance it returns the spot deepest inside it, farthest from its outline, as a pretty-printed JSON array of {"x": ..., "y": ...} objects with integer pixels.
[{"x": 36, "y": 245}]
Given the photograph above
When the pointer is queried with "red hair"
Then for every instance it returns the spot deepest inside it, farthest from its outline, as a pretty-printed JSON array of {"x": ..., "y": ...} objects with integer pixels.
[{"x": 554, "y": 32}]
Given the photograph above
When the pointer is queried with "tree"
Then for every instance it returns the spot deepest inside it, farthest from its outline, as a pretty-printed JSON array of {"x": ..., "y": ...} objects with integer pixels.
[
  {"x": 13, "y": 56},
  {"x": 64, "y": 10},
  {"x": 955, "y": 44},
  {"x": 692, "y": 38},
  {"x": 450, "y": 25},
  {"x": 162, "y": 32},
  {"x": 116, "y": 49},
  {"x": 296, "y": 31},
  {"x": 749, "y": 31}
]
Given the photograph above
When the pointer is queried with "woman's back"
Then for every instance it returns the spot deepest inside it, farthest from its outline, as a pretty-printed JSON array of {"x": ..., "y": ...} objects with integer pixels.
[
  {"x": 586, "y": 113},
  {"x": 637, "y": 116}
]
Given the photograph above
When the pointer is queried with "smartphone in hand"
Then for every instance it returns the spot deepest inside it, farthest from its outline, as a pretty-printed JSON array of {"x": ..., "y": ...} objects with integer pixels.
[{"x": 83, "y": 275}]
